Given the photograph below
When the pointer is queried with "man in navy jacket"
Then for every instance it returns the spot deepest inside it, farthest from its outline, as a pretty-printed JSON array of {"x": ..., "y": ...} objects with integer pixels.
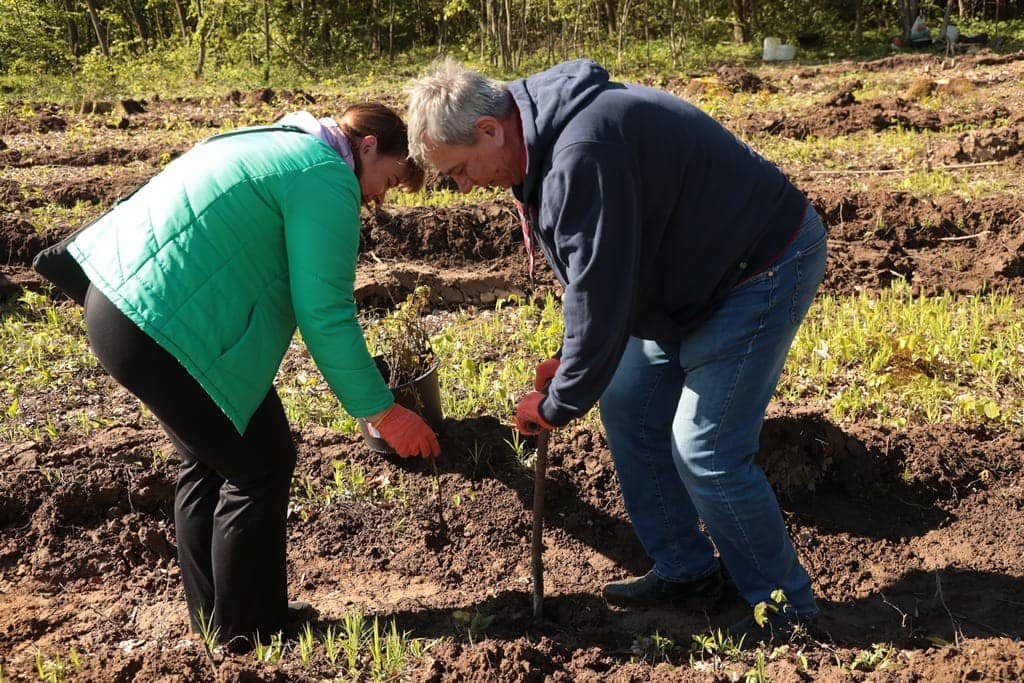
[{"x": 688, "y": 263}]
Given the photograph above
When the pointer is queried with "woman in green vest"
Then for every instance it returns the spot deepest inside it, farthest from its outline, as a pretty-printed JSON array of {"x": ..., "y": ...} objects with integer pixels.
[{"x": 198, "y": 282}]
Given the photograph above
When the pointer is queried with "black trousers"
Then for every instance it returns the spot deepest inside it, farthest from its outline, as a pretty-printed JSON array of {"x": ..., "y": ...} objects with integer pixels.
[{"x": 231, "y": 500}]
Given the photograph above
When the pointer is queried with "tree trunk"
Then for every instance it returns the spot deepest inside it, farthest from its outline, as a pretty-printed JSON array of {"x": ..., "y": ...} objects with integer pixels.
[
  {"x": 68, "y": 9},
  {"x": 201, "y": 31},
  {"x": 906, "y": 21},
  {"x": 611, "y": 16},
  {"x": 483, "y": 29},
  {"x": 139, "y": 22},
  {"x": 858, "y": 23},
  {"x": 266, "y": 42},
  {"x": 739, "y": 24},
  {"x": 182, "y": 20},
  {"x": 98, "y": 27},
  {"x": 374, "y": 26},
  {"x": 945, "y": 21},
  {"x": 506, "y": 52},
  {"x": 391, "y": 32}
]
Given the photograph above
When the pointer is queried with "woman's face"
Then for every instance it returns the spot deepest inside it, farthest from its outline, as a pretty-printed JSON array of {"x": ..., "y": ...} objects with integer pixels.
[{"x": 378, "y": 173}]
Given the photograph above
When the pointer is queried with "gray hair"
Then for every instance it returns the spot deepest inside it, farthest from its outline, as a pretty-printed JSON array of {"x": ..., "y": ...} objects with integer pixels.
[{"x": 445, "y": 103}]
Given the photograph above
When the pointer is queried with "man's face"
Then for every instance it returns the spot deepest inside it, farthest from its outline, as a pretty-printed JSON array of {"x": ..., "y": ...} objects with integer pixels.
[{"x": 491, "y": 161}]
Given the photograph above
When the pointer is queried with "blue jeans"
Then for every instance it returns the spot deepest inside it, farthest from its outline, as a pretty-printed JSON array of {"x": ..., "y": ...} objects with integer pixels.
[{"x": 683, "y": 421}]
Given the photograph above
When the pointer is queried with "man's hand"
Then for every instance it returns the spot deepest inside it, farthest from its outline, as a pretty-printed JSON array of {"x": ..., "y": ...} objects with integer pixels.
[
  {"x": 528, "y": 418},
  {"x": 407, "y": 433},
  {"x": 545, "y": 371}
]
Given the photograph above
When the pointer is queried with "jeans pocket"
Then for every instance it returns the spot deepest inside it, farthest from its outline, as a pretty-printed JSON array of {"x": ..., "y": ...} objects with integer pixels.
[{"x": 810, "y": 271}]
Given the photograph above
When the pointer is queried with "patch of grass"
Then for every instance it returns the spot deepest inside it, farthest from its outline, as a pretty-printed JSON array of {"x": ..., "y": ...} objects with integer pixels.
[
  {"x": 55, "y": 669},
  {"x": 488, "y": 359},
  {"x": 880, "y": 657},
  {"x": 372, "y": 650},
  {"x": 903, "y": 359},
  {"x": 348, "y": 483},
  {"x": 442, "y": 197},
  {"x": 46, "y": 364}
]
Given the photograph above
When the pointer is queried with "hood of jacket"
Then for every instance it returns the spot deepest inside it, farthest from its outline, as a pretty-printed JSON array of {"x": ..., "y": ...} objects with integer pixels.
[{"x": 547, "y": 102}]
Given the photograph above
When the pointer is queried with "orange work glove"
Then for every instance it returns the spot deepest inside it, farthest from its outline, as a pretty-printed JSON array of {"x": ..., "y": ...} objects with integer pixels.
[
  {"x": 528, "y": 417},
  {"x": 545, "y": 371},
  {"x": 407, "y": 433}
]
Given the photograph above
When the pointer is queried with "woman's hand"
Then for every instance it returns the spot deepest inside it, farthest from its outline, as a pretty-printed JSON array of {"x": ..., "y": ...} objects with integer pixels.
[{"x": 406, "y": 432}]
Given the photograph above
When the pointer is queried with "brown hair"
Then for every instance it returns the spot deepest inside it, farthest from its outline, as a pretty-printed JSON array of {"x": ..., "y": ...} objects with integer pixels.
[{"x": 380, "y": 121}]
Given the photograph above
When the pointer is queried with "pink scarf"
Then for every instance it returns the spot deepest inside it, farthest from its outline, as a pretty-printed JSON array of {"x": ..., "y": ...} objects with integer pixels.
[{"x": 326, "y": 129}]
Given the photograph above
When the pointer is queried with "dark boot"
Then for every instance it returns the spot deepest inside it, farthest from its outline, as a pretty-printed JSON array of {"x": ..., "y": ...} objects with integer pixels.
[{"x": 651, "y": 591}]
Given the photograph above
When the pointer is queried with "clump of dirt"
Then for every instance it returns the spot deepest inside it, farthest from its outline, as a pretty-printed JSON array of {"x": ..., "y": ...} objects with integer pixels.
[
  {"x": 452, "y": 235},
  {"x": 738, "y": 79},
  {"x": 982, "y": 146}
]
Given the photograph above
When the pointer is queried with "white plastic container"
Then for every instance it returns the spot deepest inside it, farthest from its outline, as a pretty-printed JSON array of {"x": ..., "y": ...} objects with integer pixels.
[
  {"x": 785, "y": 52},
  {"x": 771, "y": 46}
]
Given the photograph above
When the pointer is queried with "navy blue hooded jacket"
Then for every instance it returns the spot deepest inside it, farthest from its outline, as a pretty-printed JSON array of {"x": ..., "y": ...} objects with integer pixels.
[{"x": 648, "y": 211}]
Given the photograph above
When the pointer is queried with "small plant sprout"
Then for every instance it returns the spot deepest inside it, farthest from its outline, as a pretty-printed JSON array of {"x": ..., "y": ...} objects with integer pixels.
[
  {"x": 472, "y": 624},
  {"x": 757, "y": 673},
  {"x": 269, "y": 653},
  {"x": 655, "y": 648},
  {"x": 208, "y": 633},
  {"x": 721, "y": 644},
  {"x": 54, "y": 670},
  {"x": 307, "y": 646},
  {"x": 355, "y": 624},
  {"x": 332, "y": 645},
  {"x": 878, "y": 658},
  {"x": 476, "y": 454},
  {"x": 160, "y": 459},
  {"x": 519, "y": 448},
  {"x": 779, "y": 604}
]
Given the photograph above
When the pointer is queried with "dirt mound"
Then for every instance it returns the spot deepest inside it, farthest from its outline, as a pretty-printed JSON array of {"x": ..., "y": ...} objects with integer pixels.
[{"x": 449, "y": 235}]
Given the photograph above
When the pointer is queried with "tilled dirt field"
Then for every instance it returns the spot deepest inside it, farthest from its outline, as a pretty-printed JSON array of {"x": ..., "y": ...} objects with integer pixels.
[{"x": 914, "y": 537}]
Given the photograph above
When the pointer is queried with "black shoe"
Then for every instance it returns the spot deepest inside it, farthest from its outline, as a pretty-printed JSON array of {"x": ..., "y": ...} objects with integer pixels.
[
  {"x": 778, "y": 628},
  {"x": 299, "y": 614},
  {"x": 300, "y": 611},
  {"x": 651, "y": 591}
]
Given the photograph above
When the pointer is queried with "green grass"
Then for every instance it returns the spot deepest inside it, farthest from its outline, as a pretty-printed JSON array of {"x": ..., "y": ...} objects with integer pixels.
[
  {"x": 887, "y": 356},
  {"x": 46, "y": 368},
  {"x": 901, "y": 359}
]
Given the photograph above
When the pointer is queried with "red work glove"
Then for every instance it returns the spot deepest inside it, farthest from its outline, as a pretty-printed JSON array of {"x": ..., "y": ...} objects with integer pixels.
[
  {"x": 528, "y": 417},
  {"x": 545, "y": 371},
  {"x": 407, "y": 433}
]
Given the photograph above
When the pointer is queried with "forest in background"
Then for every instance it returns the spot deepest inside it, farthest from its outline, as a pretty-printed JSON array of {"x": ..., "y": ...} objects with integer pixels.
[{"x": 314, "y": 39}]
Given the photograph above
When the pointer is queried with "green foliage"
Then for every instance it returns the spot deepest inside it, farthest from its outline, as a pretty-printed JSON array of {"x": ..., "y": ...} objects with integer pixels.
[
  {"x": 223, "y": 43},
  {"x": 472, "y": 624},
  {"x": 718, "y": 644},
  {"x": 878, "y": 658},
  {"x": 901, "y": 358},
  {"x": 401, "y": 341},
  {"x": 55, "y": 669},
  {"x": 655, "y": 648}
]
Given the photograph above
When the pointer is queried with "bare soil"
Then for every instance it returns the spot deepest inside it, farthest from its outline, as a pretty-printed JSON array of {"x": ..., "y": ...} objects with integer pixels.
[{"x": 913, "y": 537}]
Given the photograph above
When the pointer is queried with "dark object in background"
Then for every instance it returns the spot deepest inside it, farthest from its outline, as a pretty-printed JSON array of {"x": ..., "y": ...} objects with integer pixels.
[
  {"x": 807, "y": 40},
  {"x": 979, "y": 39}
]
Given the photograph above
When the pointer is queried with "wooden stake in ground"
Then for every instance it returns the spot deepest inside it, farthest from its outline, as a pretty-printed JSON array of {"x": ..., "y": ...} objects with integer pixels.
[
  {"x": 540, "y": 467},
  {"x": 443, "y": 530}
]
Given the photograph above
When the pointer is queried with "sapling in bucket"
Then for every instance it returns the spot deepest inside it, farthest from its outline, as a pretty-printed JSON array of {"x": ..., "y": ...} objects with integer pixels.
[{"x": 402, "y": 351}]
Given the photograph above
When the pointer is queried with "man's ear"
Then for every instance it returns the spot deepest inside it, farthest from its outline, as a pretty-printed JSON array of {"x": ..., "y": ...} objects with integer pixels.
[{"x": 490, "y": 129}]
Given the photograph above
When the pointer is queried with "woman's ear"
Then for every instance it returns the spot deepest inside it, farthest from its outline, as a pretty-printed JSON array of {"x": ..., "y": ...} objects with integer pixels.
[{"x": 367, "y": 145}]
